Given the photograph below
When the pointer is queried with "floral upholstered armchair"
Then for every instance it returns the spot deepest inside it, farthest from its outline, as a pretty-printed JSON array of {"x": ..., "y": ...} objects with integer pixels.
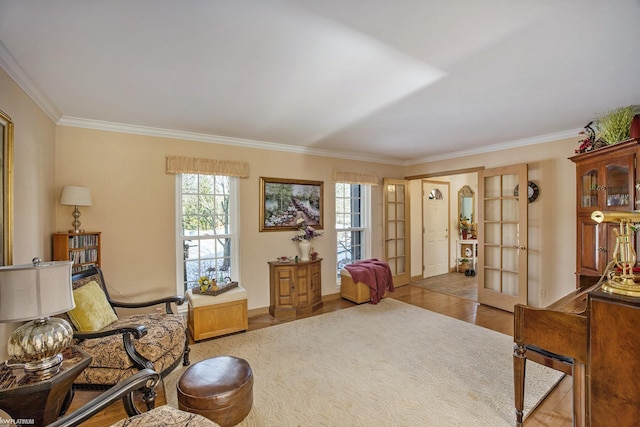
[{"x": 120, "y": 347}]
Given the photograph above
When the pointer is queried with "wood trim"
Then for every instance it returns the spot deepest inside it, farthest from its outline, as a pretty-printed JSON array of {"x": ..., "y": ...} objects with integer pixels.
[{"x": 445, "y": 173}]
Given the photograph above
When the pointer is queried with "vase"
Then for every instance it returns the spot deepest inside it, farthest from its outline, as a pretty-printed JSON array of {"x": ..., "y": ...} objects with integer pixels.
[{"x": 304, "y": 246}]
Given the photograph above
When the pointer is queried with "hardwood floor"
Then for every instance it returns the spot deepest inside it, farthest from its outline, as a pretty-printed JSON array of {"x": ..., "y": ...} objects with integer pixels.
[{"x": 555, "y": 410}]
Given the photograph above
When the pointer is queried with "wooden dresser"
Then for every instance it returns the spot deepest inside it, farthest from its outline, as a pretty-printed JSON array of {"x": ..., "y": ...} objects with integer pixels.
[{"x": 295, "y": 287}]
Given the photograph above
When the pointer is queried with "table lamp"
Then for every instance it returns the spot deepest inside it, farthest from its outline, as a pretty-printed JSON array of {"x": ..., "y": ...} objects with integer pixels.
[
  {"x": 75, "y": 196},
  {"x": 37, "y": 291}
]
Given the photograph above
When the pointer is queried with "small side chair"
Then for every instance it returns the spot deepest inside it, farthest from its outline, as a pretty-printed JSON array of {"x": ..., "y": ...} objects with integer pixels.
[{"x": 122, "y": 346}]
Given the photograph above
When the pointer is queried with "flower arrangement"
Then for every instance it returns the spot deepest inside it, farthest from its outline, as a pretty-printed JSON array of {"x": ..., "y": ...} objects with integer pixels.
[
  {"x": 464, "y": 224},
  {"x": 206, "y": 283},
  {"x": 305, "y": 231},
  {"x": 611, "y": 128},
  {"x": 588, "y": 142}
]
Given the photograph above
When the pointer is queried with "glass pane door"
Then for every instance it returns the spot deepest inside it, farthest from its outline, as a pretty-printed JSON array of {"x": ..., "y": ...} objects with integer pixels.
[
  {"x": 502, "y": 279},
  {"x": 396, "y": 222}
]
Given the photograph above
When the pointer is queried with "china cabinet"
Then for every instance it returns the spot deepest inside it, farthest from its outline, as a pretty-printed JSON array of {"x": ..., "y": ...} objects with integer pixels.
[{"x": 606, "y": 181}]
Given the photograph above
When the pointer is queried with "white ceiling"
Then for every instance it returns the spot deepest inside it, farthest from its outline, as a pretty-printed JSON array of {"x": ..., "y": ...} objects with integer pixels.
[{"x": 402, "y": 81}]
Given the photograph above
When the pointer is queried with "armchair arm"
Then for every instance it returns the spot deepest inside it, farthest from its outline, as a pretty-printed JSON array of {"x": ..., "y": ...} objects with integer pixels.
[
  {"x": 138, "y": 331},
  {"x": 178, "y": 300},
  {"x": 145, "y": 379}
]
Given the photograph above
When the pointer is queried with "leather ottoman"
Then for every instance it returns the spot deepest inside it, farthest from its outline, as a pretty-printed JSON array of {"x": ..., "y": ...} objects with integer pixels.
[{"x": 219, "y": 388}]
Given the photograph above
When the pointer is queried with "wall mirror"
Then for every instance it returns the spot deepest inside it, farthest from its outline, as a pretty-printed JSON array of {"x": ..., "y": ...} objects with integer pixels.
[
  {"x": 466, "y": 203},
  {"x": 6, "y": 182}
]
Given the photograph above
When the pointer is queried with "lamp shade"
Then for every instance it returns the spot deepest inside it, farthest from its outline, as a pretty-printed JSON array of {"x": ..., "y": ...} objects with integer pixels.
[
  {"x": 74, "y": 195},
  {"x": 32, "y": 291}
]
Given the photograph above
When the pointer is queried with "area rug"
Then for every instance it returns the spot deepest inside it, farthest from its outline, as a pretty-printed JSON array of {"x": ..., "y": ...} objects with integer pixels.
[{"x": 390, "y": 364}]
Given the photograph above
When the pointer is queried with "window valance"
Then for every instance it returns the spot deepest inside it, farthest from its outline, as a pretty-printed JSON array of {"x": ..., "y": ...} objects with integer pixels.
[
  {"x": 196, "y": 165},
  {"x": 355, "y": 177}
]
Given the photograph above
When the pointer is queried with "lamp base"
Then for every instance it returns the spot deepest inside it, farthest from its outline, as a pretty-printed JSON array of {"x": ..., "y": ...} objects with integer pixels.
[
  {"x": 44, "y": 368},
  {"x": 38, "y": 344},
  {"x": 76, "y": 222},
  {"x": 622, "y": 285}
]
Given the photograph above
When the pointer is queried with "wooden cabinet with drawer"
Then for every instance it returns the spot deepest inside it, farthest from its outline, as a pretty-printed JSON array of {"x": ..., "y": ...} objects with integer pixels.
[{"x": 295, "y": 287}]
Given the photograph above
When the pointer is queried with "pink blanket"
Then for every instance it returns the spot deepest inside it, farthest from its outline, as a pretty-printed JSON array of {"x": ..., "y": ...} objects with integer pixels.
[{"x": 373, "y": 273}]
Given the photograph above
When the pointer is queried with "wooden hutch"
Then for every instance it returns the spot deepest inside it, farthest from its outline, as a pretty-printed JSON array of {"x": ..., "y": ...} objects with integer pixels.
[{"x": 607, "y": 180}]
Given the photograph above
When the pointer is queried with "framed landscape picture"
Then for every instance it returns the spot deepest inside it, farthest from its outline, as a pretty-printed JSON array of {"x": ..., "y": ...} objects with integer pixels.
[{"x": 284, "y": 201}]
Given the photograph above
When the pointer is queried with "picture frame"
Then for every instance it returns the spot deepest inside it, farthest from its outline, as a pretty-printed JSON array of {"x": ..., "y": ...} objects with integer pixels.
[
  {"x": 283, "y": 201},
  {"x": 6, "y": 182}
]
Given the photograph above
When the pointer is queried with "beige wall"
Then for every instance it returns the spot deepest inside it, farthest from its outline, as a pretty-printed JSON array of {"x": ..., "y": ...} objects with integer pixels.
[
  {"x": 34, "y": 143},
  {"x": 552, "y": 220},
  {"x": 134, "y": 207}
]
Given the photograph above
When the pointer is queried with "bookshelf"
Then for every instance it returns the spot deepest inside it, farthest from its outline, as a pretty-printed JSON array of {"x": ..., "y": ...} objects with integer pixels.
[{"x": 81, "y": 248}]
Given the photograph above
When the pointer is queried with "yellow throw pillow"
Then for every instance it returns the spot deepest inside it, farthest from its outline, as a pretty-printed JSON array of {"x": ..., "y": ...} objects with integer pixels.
[{"x": 92, "y": 311}]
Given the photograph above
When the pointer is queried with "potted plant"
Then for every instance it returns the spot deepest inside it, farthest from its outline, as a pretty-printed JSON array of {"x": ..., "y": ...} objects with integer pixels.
[
  {"x": 465, "y": 227},
  {"x": 615, "y": 126}
]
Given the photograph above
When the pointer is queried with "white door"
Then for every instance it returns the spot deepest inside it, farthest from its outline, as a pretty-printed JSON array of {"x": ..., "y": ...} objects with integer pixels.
[
  {"x": 435, "y": 228},
  {"x": 502, "y": 237}
]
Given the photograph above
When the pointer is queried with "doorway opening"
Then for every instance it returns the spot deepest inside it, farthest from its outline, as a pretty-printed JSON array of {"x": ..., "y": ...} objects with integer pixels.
[{"x": 440, "y": 261}]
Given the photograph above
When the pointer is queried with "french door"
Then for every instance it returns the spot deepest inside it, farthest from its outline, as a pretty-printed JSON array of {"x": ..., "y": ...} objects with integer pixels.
[
  {"x": 397, "y": 242},
  {"x": 502, "y": 236}
]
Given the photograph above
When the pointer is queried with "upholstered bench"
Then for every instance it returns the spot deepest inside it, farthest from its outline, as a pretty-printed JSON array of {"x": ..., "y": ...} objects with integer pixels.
[
  {"x": 219, "y": 388},
  {"x": 211, "y": 316}
]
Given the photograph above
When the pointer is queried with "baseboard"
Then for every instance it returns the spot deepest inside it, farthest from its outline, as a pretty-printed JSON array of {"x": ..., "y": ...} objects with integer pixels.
[
  {"x": 254, "y": 312},
  {"x": 331, "y": 297}
]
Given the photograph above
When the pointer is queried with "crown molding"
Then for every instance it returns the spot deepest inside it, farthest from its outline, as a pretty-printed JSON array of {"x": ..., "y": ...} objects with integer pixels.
[
  {"x": 15, "y": 71},
  {"x": 571, "y": 133},
  {"x": 214, "y": 139},
  {"x": 272, "y": 146}
]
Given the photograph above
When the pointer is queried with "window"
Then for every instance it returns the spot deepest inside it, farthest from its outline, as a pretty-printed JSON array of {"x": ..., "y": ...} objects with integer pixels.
[
  {"x": 207, "y": 228},
  {"x": 352, "y": 223}
]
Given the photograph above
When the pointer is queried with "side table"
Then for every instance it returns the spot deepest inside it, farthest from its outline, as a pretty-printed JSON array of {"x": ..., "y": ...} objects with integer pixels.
[{"x": 39, "y": 402}]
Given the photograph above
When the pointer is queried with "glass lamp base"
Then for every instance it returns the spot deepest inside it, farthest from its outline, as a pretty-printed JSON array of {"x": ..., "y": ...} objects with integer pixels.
[
  {"x": 44, "y": 368},
  {"x": 38, "y": 344}
]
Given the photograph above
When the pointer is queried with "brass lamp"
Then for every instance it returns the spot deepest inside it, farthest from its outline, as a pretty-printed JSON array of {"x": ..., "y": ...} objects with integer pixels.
[
  {"x": 624, "y": 257},
  {"x": 75, "y": 196},
  {"x": 37, "y": 291}
]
